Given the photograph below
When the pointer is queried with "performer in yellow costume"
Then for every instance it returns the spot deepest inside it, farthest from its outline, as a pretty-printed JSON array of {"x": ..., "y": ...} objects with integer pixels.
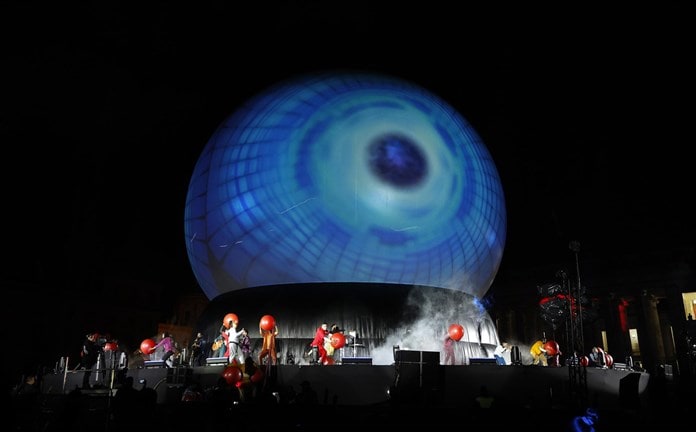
[{"x": 538, "y": 353}]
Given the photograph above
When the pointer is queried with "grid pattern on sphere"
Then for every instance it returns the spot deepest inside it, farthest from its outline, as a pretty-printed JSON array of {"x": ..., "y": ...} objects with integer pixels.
[{"x": 283, "y": 192}]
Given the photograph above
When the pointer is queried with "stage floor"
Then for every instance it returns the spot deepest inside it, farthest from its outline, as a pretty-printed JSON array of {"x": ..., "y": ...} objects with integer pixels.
[{"x": 364, "y": 384}]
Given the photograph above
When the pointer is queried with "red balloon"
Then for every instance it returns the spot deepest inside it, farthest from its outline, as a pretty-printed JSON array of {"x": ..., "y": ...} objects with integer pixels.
[
  {"x": 232, "y": 374},
  {"x": 267, "y": 322},
  {"x": 257, "y": 376},
  {"x": 552, "y": 348},
  {"x": 608, "y": 360},
  {"x": 584, "y": 361},
  {"x": 147, "y": 346},
  {"x": 110, "y": 346},
  {"x": 230, "y": 317},
  {"x": 338, "y": 340},
  {"x": 456, "y": 331}
]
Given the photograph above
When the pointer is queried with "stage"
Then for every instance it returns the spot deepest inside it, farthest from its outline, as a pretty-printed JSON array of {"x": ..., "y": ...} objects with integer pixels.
[{"x": 362, "y": 384}]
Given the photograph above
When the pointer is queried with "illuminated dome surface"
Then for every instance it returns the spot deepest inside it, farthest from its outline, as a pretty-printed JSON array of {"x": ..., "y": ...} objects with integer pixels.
[{"x": 345, "y": 177}]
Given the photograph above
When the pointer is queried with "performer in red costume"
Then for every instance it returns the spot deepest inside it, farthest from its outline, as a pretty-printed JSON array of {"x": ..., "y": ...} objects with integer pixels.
[
  {"x": 320, "y": 338},
  {"x": 225, "y": 340}
]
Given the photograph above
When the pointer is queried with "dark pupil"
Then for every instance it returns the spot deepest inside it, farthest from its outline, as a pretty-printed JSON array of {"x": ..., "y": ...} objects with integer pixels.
[{"x": 397, "y": 161}]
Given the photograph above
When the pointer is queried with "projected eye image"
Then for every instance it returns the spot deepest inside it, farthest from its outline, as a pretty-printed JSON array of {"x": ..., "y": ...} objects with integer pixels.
[{"x": 345, "y": 178}]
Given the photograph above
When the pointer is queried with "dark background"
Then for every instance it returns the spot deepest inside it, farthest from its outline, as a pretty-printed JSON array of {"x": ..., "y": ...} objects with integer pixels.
[{"x": 107, "y": 105}]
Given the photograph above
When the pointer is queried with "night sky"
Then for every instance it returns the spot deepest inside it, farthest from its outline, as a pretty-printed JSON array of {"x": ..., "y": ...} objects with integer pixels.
[{"x": 107, "y": 105}]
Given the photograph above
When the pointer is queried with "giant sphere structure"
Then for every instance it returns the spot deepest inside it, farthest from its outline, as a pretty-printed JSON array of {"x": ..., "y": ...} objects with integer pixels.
[{"x": 345, "y": 177}]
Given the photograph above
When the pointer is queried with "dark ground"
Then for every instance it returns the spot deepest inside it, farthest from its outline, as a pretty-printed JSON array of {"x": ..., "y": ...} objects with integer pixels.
[{"x": 668, "y": 404}]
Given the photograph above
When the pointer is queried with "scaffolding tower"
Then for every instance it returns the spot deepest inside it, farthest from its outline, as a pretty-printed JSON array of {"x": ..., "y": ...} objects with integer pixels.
[{"x": 577, "y": 371}]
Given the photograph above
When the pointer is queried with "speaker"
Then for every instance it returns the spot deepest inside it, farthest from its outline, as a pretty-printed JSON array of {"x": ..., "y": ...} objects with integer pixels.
[
  {"x": 217, "y": 361},
  {"x": 426, "y": 357},
  {"x": 356, "y": 360},
  {"x": 430, "y": 357},
  {"x": 407, "y": 356}
]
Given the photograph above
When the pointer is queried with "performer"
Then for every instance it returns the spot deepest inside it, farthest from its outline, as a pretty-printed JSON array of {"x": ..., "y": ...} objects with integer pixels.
[
  {"x": 220, "y": 343},
  {"x": 199, "y": 350},
  {"x": 553, "y": 353},
  {"x": 89, "y": 356},
  {"x": 167, "y": 344},
  {"x": 597, "y": 357},
  {"x": 538, "y": 353},
  {"x": 320, "y": 338},
  {"x": 245, "y": 344},
  {"x": 234, "y": 351},
  {"x": 328, "y": 346},
  {"x": 226, "y": 338},
  {"x": 268, "y": 347},
  {"x": 449, "y": 350},
  {"x": 502, "y": 354}
]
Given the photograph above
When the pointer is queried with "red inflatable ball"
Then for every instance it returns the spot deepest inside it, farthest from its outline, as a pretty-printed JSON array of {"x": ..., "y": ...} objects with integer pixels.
[
  {"x": 584, "y": 361},
  {"x": 257, "y": 376},
  {"x": 111, "y": 346},
  {"x": 608, "y": 360},
  {"x": 267, "y": 323},
  {"x": 456, "y": 331},
  {"x": 338, "y": 340},
  {"x": 230, "y": 317},
  {"x": 147, "y": 346},
  {"x": 552, "y": 348},
  {"x": 232, "y": 375}
]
